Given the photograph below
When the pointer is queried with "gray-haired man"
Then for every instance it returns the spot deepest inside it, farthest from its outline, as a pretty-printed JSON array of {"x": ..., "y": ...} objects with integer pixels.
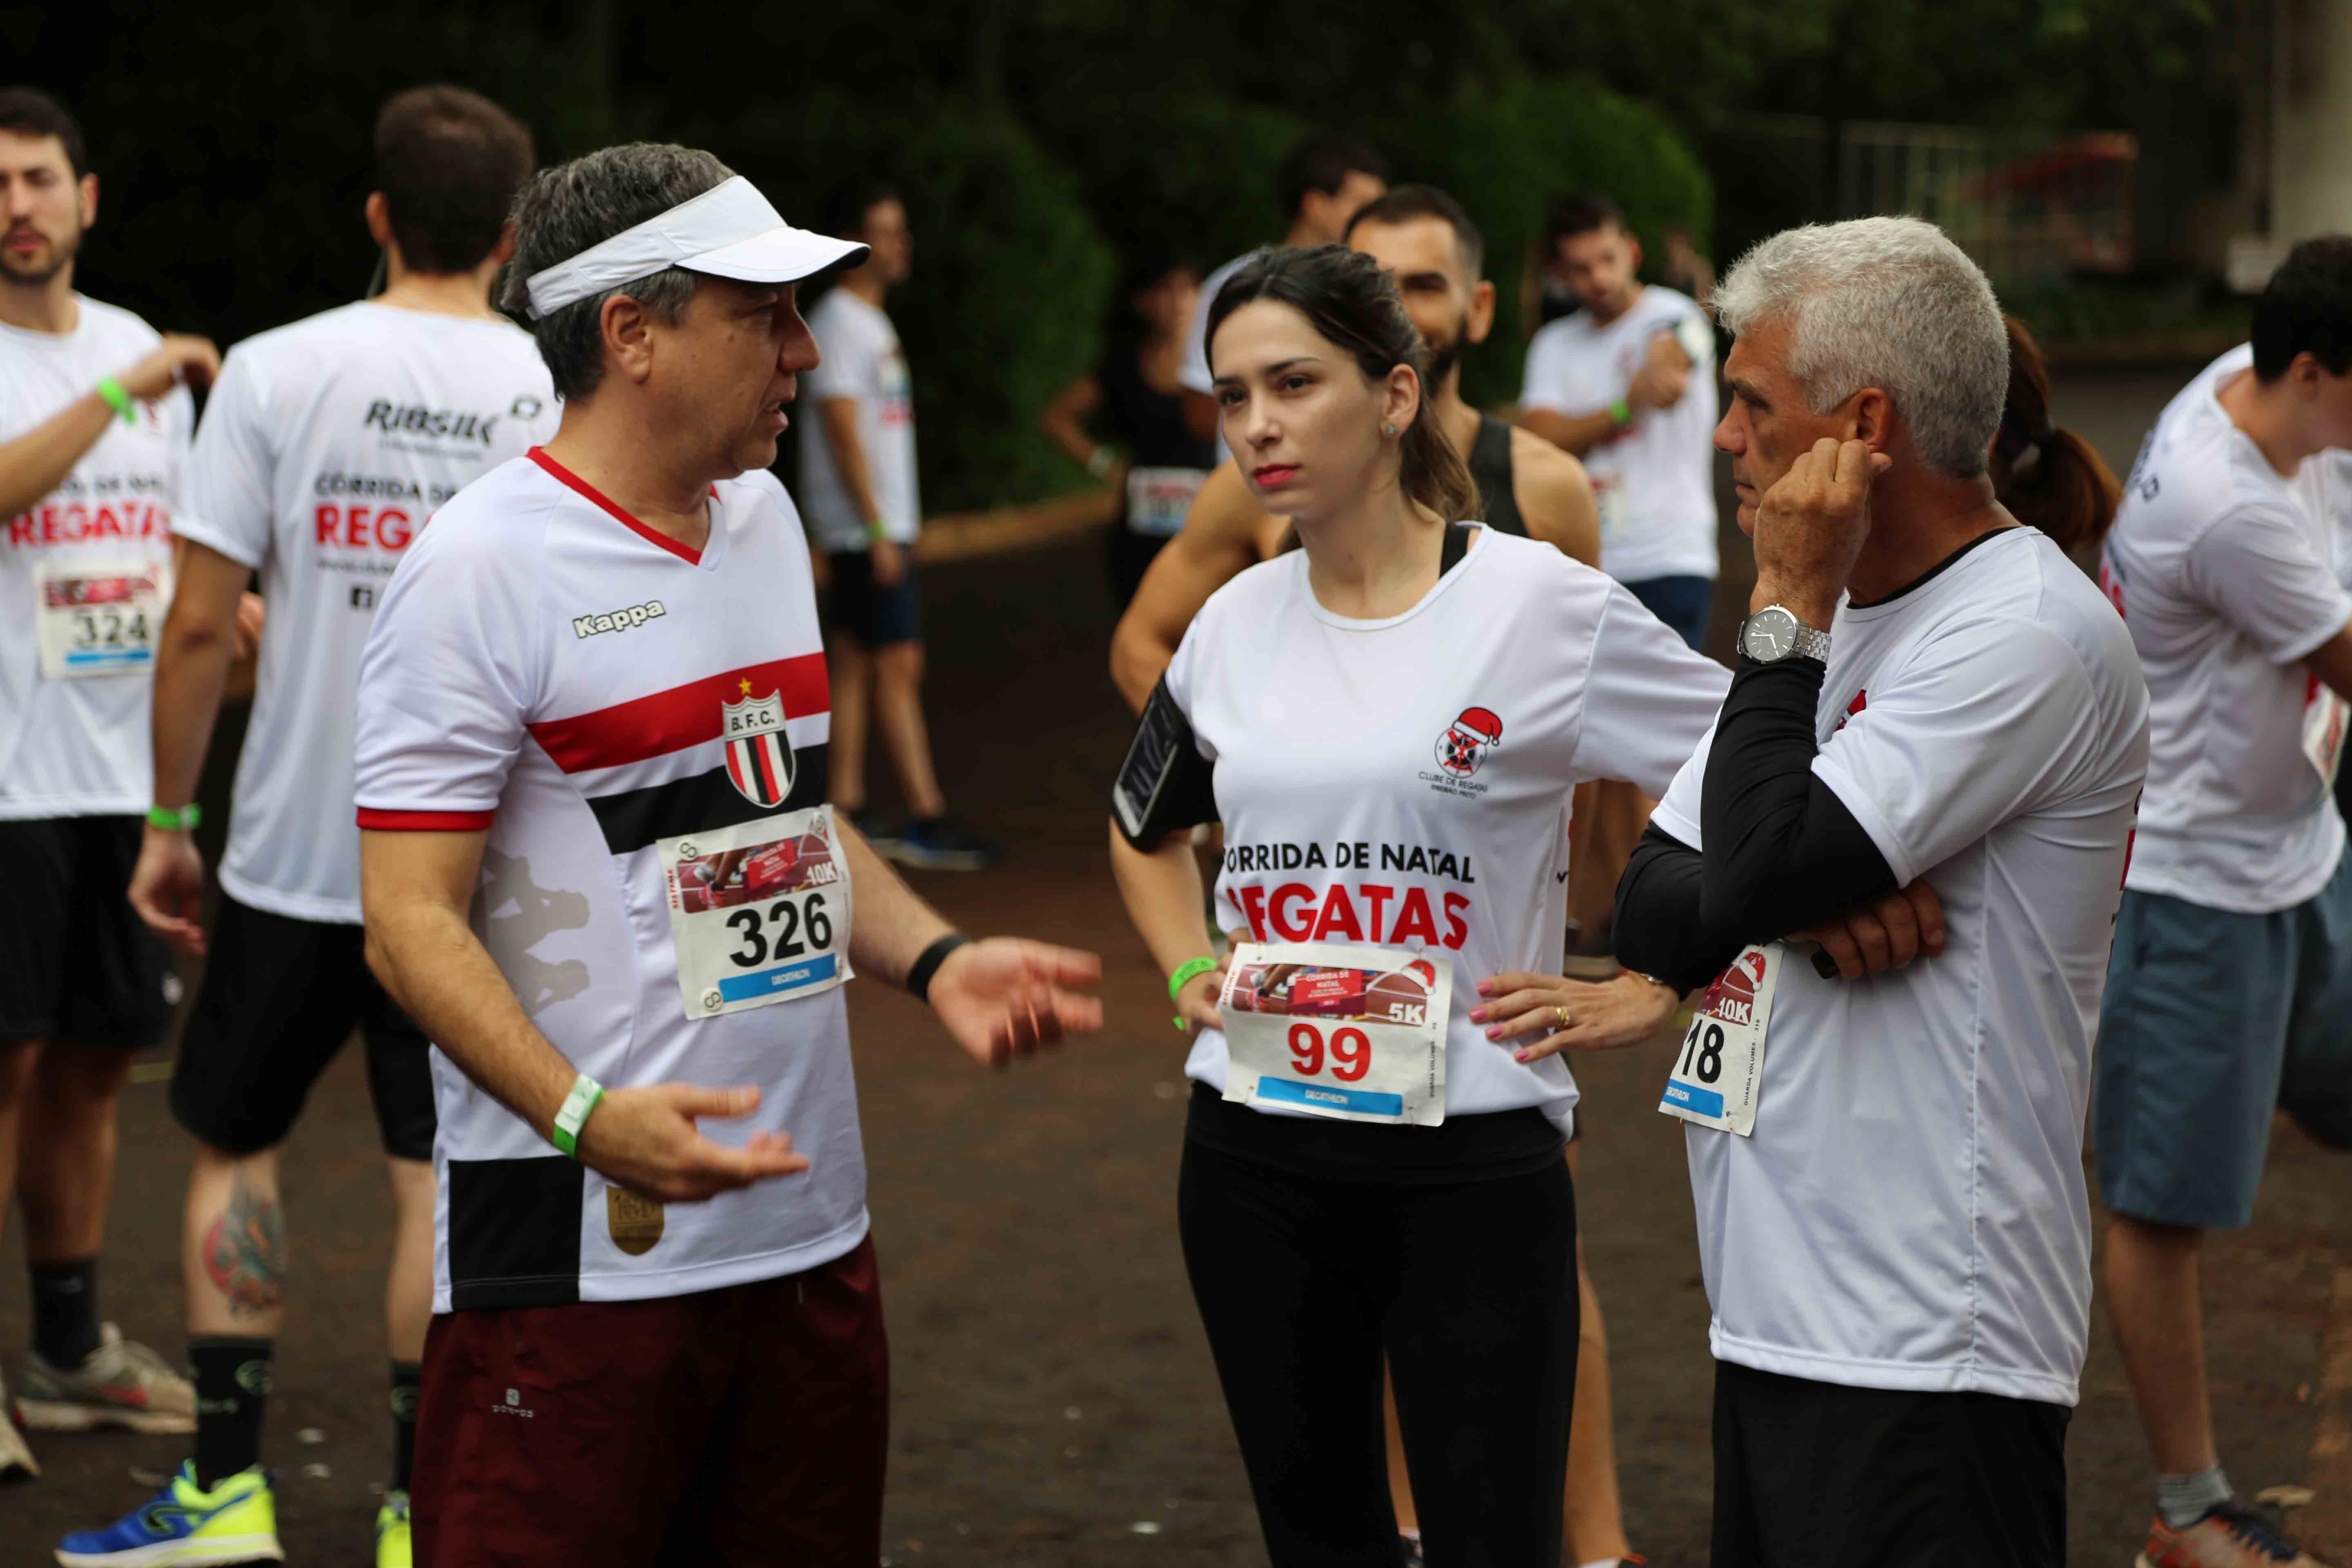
[
  {"x": 1896, "y": 1235},
  {"x": 592, "y": 718}
]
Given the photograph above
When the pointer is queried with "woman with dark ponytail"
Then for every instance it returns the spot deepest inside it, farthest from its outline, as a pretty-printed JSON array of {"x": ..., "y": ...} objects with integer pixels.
[
  {"x": 2046, "y": 476},
  {"x": 1389, "y": 722}
]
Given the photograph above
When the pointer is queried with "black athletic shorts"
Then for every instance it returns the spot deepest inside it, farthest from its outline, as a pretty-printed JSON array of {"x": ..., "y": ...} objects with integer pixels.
[
  {"x": 1819, "y": 1474},
  {"x": 75, "y": 960},
  {"x": 876, "y": 617},
  {"x": 279, "y": 999}
]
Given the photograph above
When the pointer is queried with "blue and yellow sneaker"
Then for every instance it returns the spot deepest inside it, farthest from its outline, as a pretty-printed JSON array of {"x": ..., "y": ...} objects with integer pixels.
[
  {"x": 392, "y": 1548},
  {"x": 237, "y": 1522}
]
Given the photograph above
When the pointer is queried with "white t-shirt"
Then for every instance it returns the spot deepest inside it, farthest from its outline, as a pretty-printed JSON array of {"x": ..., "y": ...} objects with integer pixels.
[
  {"x": 1655, "y": 482},
  {"x": 862, "y": 361},
  {"x": 1193, "y": 374},
  {"x": 545, "y": 666},
  {"x": 78, "y": 745},
  {"x": 2226, "y": 575},
  {"x": 1325, "y": 732},
  {"x": 326, "y": 446},
  {"x": 1910, "y": 1210}
]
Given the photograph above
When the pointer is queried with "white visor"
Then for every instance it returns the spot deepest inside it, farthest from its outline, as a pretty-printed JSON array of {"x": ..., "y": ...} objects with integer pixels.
[{"x": 728, "y": 231}]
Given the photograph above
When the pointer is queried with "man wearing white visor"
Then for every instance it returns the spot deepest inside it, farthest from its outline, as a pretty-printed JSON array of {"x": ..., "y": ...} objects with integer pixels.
[{"x": 598, "y": 872}]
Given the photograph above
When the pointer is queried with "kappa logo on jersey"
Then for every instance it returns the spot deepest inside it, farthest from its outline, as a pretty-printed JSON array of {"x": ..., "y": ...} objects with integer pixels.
[
  {"x": 627, "y": 619},
  {"x": 1465, "y": 742},
  {"x": 759, "y": 757}
]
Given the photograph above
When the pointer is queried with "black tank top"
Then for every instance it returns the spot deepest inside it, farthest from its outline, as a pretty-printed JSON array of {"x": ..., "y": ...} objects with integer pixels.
[{"x": 1490, "y": 470}]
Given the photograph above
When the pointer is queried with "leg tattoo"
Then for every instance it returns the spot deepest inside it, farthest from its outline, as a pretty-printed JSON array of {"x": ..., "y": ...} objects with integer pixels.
[{"x": 245, "y": 1252}]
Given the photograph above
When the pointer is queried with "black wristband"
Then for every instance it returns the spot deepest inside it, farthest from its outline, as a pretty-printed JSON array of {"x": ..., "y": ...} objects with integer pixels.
[{"x": 919, "y": 977}]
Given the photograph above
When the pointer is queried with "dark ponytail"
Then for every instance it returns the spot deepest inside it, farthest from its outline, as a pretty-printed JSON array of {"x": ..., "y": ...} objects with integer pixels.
[
  {"x": 1348, "y": 298},
  {"x": 2046, "y": 476}
]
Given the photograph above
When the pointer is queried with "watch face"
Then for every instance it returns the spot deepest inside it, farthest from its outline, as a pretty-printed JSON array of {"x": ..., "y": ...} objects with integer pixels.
[{"x": 1770, "y": 635}]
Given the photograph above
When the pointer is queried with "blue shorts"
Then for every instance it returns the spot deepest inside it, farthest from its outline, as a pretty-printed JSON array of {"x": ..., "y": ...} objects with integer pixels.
[
  {"x": 874, "y": 617},
  {"x": 1682, "y": 603},
  {"x": 2203, "y": 1008}
]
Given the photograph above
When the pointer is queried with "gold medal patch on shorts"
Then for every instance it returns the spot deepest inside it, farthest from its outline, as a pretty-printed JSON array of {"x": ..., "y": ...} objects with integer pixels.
[{"x": 635, "y": 1223}]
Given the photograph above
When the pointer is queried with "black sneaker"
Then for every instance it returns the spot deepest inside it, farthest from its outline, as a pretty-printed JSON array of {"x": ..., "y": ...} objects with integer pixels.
[{"x": 935, "y": 844}]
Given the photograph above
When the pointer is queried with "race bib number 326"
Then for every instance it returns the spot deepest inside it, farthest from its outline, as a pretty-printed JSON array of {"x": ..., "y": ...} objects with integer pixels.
[
  {"x": 1354, "y": 1033},
  {"x": 759, "y": 912}
]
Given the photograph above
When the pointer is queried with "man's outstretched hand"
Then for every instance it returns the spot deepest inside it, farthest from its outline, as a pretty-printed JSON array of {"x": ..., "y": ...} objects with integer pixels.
[{"x": 1005, "y": 997}]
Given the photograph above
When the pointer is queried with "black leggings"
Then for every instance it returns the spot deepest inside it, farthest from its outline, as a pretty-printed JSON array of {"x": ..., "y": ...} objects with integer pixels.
[{"x": 1469, "y": 1291}]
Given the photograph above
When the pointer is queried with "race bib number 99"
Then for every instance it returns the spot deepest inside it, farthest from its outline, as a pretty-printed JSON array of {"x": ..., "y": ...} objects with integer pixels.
[
  {"x": 1720, "y": 1061},
  {"x": 1354, "y": 1033},
  {"x": 99, "y": 620},
  {"x": 758, "y": 912}
]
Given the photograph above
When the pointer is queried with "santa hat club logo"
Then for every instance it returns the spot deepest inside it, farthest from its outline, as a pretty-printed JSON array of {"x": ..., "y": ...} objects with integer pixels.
[
  {"x": 1464, "y": 744},
  {"x": 1739, "y": 983}
]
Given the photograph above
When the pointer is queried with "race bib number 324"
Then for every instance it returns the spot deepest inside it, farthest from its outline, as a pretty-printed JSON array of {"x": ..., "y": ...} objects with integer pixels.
[
  {"x": 1353, "y": 1032},
  {"x": 759, "y": 912},
  {"x": 99, "y": 620}
]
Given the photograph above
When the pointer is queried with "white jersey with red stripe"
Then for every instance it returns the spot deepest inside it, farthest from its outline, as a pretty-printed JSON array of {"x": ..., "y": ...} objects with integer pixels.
[
  {"x": 89, "y": 563},
  {"x": 548, "y": 669},
  {"x": 325, "y": 447}
]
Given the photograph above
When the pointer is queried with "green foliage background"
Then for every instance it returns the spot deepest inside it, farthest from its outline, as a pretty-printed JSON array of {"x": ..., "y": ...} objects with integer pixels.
[{"x": 1041, "y": 143}]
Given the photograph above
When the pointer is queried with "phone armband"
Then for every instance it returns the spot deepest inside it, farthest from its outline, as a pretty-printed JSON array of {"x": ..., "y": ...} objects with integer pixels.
[{"x": 1165, "y": 786}]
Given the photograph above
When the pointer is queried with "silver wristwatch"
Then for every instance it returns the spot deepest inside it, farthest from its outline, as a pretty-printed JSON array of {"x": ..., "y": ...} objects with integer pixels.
[{"x": 1774, "y": 633}]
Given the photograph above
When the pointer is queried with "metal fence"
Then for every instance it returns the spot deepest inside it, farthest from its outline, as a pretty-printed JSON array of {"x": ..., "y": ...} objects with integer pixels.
[{"x": 2030, "y": 207}]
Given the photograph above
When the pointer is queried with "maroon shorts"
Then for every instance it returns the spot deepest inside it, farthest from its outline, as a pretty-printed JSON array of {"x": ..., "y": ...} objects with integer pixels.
[{"x": 735, "y": 1426}]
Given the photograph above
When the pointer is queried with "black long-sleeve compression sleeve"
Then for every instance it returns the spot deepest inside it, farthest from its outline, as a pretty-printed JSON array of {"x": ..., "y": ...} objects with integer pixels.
[{"x": 1783, "y": 851}]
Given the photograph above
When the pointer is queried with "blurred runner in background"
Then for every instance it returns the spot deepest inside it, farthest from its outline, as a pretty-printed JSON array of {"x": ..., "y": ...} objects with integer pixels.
[
  {"x": 2233, "y": 947},
  {"x": 324, "y": 449},
  {"x": 1324, "y": 178},
  {"x": 1627, "y": 383},
  {"x": 1135, "y": 399},
  {"x": 95, "y": 422},
  {"x": 858, "y": 485}
]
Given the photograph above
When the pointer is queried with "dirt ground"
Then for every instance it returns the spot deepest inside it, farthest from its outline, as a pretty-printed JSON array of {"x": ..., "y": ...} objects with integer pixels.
[{"x": 1054, "y": 1400}]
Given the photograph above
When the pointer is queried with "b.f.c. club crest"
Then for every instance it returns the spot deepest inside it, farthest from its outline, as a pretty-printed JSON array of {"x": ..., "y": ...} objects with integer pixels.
[{"x": 759, "y": 755}]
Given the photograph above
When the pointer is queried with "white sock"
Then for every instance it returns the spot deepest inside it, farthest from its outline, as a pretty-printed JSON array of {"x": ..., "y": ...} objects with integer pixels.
[
  {"x": 1603, "y": 1563},
  {"x": 2185, "y": 1499}
]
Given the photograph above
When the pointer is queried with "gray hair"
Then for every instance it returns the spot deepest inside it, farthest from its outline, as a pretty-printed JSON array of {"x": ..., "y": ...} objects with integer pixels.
[
  {"x": 1889, "y": 302},
  {"x": 563, "y": 211}
]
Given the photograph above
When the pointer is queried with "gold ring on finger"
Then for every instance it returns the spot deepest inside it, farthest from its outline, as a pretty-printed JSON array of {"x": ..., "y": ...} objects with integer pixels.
[{"x": 1562, "y": 1013}]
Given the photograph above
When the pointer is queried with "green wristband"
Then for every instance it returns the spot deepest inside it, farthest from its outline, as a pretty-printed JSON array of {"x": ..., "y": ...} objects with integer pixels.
[
  {"x": 174, "y": 819},
  {"x": 585, "y": 1092},
  {"x": 118, "y": 399},
  {"x": 878, "y": 532},
  {"x": 1184, "y": 975},
  {"x": 1622, "y": 412}
]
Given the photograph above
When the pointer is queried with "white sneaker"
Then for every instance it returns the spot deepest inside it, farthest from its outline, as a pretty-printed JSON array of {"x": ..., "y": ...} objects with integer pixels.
[
  {"x": 124, "y": 1383},
  {"x": 16, "y": 1461}
]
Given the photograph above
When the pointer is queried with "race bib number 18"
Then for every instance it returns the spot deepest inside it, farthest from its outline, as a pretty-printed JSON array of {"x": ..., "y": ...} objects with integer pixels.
[
  {"x": 759, "y": 912},
  {"x": 1721, "y": 1059},
  {"x": 99, "y": 620},
  {"x": 1354, "y": 1033}
]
